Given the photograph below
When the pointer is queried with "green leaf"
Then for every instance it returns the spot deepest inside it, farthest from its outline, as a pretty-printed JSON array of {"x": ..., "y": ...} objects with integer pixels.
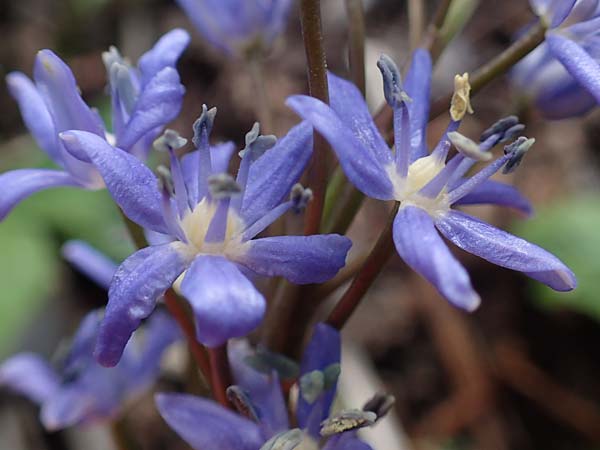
[{"x": 570, "y": 230}]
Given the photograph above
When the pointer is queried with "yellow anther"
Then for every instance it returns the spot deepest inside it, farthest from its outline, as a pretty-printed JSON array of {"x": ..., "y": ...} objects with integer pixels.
[{"x": 461, "y": 100}]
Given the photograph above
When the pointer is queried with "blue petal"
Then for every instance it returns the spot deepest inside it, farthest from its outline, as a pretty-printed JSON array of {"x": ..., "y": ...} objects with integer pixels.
[
  {"x": 58, "y": 87},
  {"x": 158, "y": 104},
  {"x": 577, "y": 61},
  {"x": 555, "y": 11},
  {"x": 70, "y": 406},
  {"x": 138, "y": 283},
  {"x": 29, "y": 375},
  {"x": 361, "y": 165},
  {"x": 348, "y": 103},
  {"x": 132, "y": 185},
  {"x": 323, "y": 350},
  {"x": 225, "y": 303},
  {"x": 17, "y": 185},
  {"x": 165, "y": 53},
  {"x": 272, "y": 176},
  {"x": 264, "y": 390},
  {"x": 346, "y": 441},
  {"x": 80, "y": 353},
  {"x": 300, "y": 259},
  {"x": 422, "y": 248},
  {"x": 418, "y": 87},
  {"x": 497, "y": 193},
  {"x": 89, "y": 261},
  {"x": 35, "y": 114},
  {"x": 212, "y": 19},
  {"x": 504, "y": 249},
  {"x": 205, "y": 425}
]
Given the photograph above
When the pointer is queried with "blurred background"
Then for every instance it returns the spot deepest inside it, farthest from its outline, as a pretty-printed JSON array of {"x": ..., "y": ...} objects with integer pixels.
[{"x": 523, "y": 372}]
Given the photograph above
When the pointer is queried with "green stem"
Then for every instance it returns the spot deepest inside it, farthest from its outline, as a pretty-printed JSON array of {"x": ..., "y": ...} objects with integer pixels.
[
  {"x": 378, "y": 257},
  {"x": 312, "y": 34},
  {"x": 497, "y": 66}
]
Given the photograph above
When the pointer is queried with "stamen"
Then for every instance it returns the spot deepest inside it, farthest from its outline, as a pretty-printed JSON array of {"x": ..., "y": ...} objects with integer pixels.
[
  {"x": 300, "y": 197},
  {"x": 120, "y": 80},
  {"x": 165, "y": 186},
  {"x": 202, "y": 129},
  {"x": 392, "y": 82},
  {"x": 222, "y": 187},
  {"x": 433, "y": 188},
  {"x": 461, "y": 100},
  {"x": 516, "y": 151},
  {"x": 240, "y": 400},
  {"x": 441, "y": 149},
  {"x": 312, "y": 385},
  {"x": 286, "y": 440},
  {"x": 468, "y": 147},
  {"x": 499, "y": 127},
  {"x": 170, "y": 141},
  {"x": 347, "y": 420},
  {"x": 380, "y": 404}
]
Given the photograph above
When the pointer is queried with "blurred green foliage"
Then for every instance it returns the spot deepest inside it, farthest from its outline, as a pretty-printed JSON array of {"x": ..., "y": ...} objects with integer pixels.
[{"x": 570, "y": 230}]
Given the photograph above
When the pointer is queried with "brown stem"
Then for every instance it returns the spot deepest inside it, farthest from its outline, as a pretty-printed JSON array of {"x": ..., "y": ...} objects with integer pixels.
[
  {"x": 179, "y": 313},
  {"x": 310, "y": 18},
  {"x": 416, "y": 22},
  {"x": 356, "y": 42},
  {"x": 369, "y": 271},
  {"x": 262, "y": 104},
  {"x": 220, "y": 374},
  {"x": 432, "y": 37},
  {"x": 122, "y": 436},
  {"x": 497, "y": 66}
]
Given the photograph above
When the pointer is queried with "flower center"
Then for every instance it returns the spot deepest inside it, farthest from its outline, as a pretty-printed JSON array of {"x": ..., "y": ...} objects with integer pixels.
[{"x": 195, "y": 225}]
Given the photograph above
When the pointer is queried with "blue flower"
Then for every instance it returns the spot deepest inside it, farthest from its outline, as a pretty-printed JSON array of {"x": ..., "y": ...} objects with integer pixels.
[
  {"x": 144, "y": 100},
  {"x": 563, "y": 74},
  {"x": 263, "y": 416},
  {"x": 208, "y": 223},
  {"x": 238, "y": 26},
  {"x": 81, "y": 391},
  {"x": 426, "y": 185}
]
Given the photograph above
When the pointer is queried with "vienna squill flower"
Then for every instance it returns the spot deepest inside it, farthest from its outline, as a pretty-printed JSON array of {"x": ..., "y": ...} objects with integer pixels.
[
  {"x": 262, "y": 418},
  {"x": 562, "y": 75},
  {"x": 209, "y": 221},
  {"x": 80, "y": 391},
  {"x": 238, "y": 26},
  {"x": 144, "y": 100},
  {"x": 426, "y": 185}
]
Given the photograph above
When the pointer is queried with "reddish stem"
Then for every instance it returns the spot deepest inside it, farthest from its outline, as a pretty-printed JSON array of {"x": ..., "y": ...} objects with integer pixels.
[{"x": 220, "y": 374}]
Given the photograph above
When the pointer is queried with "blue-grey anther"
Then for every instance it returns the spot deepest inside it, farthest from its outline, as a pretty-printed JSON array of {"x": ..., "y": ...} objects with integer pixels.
[
  {"x": 380, "y": 404},
  {"x": 223, "y": 185},
  {"x": 240, "y": 400},
  {"x": 287, "y": 440},
  {"x": 111, "y": 57},
  {"x": 203, "y": 124},
  {"x": 392, "y": 81},
  {"x": 165, "y": 180},
  {"x": 120, "y": 79},
  {"x": 300, "y": 197},
  {"x": 512, "y": 132},
  {"x": 499, "y": 127},
  {"x": 266, "y": 362},
  {"x": 170, "y": 140},
  {"x": 312, "y": 385},
  {"x": 351, "y": 419},
  {"x": 331, "y": 374},
  {"x": 517, "y": 151},
  {"x": 468, "y": 147},
  {"x": 256, "y": 143}
]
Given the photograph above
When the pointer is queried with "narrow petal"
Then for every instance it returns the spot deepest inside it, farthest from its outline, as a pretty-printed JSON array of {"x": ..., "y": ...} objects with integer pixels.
[
  {"x": 225, "y": 303},
  {"x": 89, "y": 261},
  {"x": 361, "y": 166},
  {"x": 322, "y": 351},
  {"x": 205, "y": 425},
  {"x": 506, "y": 250},
  {"x": 418, "y": 87},
  {"x": 29, "y": 375},
  {"x": 422, "y": 248},
  {"x": 132, "y": 185},
  {"x": 271, "y": 177},
  {"x": 70, "y": 406},
  {"x": 17, "y": 185},
  {"x": 577, "y": 61},
  {"x": 158, "y": 104},
  {"x": 165, "y": 53},
  {"x": 135, "y": 289},
  {"x": 58, "y": 87},
  {"x": 300, "y": 259},
  {"x": 350, "y": 106},
  {"x": 497, "y": 193},
  {"x": 35, "y": 114}
]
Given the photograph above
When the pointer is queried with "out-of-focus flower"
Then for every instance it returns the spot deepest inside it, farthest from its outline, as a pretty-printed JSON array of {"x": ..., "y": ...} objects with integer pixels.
[
  {"x": 562, "y": 75},
  {"x": 238, "y": 26},
  {"x": 262, "y": 418},
  {"x": 89, "y": 261},
  {"x": 426, "y": 185},
  {"x": 81, "y": 391},
  {"x": 210, "y": 221},
  {"x": 144, "y": 100}
]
